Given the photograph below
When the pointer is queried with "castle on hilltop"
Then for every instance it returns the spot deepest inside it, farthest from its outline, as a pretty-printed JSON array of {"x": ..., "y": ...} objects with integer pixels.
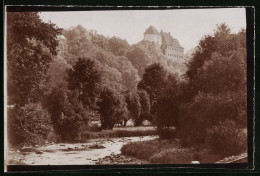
[{"x": 170, "y": 46}]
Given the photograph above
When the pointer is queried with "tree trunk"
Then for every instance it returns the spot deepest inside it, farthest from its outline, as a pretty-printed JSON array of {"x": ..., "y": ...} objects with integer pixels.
[
  {"x": 125, "y": 121},
  {"x": 138, "y": 123}
]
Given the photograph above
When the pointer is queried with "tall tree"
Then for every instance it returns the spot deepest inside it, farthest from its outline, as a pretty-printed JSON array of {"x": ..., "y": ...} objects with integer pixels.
[
  {"x": 118, "y": 46},
  {"x": 145, "y": 106},
  {"x": 84, "y": 78},
  {"x": 112, "y": 108},
  {"x": 133, "y": 106},
  {"x": 217, "y": 76},
  {"x": 78, "y": 41},
  {"x": 153, "y": 82},
  {"x": 168, "y": 108},
  {"x": 30, "y": 46}
]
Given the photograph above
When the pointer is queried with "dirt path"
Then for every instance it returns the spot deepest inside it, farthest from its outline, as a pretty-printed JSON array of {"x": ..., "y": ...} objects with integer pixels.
[{"x": 77, "y": 154}]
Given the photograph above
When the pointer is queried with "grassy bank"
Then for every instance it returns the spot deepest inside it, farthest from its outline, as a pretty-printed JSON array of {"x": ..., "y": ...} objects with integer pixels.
[
  {"x": 120, "y": 132},
  {"x": 167, "y": 152}
]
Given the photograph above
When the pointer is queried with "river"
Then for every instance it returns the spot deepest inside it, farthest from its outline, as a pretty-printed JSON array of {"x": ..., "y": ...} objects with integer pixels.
[{"x": 73, "y": 154}]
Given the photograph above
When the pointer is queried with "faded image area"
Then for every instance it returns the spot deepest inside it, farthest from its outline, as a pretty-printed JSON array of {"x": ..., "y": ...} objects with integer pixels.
[{"x": 126, "y": 87}]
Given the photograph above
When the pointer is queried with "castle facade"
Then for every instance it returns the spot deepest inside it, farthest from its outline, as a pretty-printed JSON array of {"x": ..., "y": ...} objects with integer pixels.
[{"x": 170, "y": 46}]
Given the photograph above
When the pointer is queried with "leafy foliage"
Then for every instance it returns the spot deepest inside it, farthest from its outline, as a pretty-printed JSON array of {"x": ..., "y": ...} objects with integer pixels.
[
  {"x": 216, "y": 108},
  {"x": 84, "y": 78},
  {"x": 29, "y": 54},
  {"x": 78, "y": 44},
  {"x": 29, "y": 125},
  {"x": 153, "y": 82},
  {"x": 168, "y": 108},
  {"x": 145, "y": 106},
  {"x": 118, "y": 46},
  {"x": 165, "y": 95},
  {"x": 68, "y": 115},
  {"x": 112, "y": 108},
  {"x": 227, "y": 138},
  {"x": 134, "y": 107},
  {"x": 217, "y": 81}
]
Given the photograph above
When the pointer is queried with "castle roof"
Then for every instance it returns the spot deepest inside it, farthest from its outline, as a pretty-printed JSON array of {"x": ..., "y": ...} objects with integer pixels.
[
  {"x": 169, "y": 40},
  {"x": 152, "y": 30}
]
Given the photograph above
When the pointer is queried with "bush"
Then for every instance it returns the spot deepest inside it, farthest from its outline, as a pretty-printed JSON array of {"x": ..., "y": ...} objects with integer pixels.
[
  {"x": 227, "y": 139},
  {"x": 69, "y": 117},
  {"x": 147, "y": 149},
  {"x": 168, "y": 152},
  {"x": 28, "y": 125},
  {"x": 207, "y": 110},
  {"x": 53, "y": 137},
  {"x": 116, "y": 133},
  {"x": 173, "y": 156},
  {"x": 94, "y": 128},
  {"x": 167, "y": 133}
]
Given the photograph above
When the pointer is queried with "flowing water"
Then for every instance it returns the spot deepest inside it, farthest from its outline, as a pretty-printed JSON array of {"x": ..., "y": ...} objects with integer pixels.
[{"x": 73, "y": 154}]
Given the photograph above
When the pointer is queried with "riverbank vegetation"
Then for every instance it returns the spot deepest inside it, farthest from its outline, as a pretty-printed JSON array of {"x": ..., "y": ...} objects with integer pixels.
[
  {"x": 208, "y": 111},
  {"x": 116, "y": 133},
  {"x": 60, "y": 81},
  {"x": 168, "y": 152}
]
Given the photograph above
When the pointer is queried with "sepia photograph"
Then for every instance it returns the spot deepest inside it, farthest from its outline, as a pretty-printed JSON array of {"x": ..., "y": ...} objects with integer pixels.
[{"x": 126, "y": 87}]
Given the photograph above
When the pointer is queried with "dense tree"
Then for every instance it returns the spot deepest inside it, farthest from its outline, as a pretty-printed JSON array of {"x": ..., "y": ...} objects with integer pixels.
[
  {"x": 223, "y": 73},
  {"x": 57, "y": 72},
  {"x": 29, "y": 52},
  {"x": 139, "y": 58},
  {"x": 165, "y": 96},
  {"x": 153, "y": 82},
  {"x": 55, "y": 103},
  {"x": 78, "y": 42},
  {"x": 118, "y": 46},
  {"x": 221, "y": 44},
  {"x": 101, "y": 42},
  {"x": 112, "y": 108},
  {"x": 134, "y": 107},
  {"x": 129, "y": 74},
  {"x": 217, "y": 80},
  {"x": 145, "y": 107},
  {"x": 28, "y": 125},
  {"x": 68, "y": 115},
  {"x": 168, "y": 108},
  {"x": 84, "y": 78}
]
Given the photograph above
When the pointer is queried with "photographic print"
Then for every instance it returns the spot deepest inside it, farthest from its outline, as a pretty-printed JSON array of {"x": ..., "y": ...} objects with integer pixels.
[{"x": 126, "y": 87}]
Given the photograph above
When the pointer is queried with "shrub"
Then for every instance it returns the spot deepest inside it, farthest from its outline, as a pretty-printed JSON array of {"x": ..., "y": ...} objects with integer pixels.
[
  {"x": 53, "y": 137},
  {"x": 116, "y": 133},
  {"x": 94, "y": 128},
  {"x": 207, "y": 110},
  {"x": 147, "y": 149},
  {"x": 227, "y": 139},
  {"x": 28, "y": 125},
  {"x": 69, "y": 117},
  {"x": 173, "y": 156}
]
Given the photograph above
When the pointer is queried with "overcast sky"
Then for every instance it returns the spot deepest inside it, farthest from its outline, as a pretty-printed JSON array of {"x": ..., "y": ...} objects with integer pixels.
[{"x": 187, "y": 25}]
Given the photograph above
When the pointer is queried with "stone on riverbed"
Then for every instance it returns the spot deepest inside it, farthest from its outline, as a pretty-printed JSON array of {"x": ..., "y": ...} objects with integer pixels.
[
  {"x": 120, "y": 159},
  {"x": 28, "y": 149},
  {"x": 39, "y": 152},
  {"x": 96, "y": 146}
]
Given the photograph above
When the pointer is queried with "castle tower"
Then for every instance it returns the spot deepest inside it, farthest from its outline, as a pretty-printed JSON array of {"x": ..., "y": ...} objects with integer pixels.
[{"x": 151, "y": 34}]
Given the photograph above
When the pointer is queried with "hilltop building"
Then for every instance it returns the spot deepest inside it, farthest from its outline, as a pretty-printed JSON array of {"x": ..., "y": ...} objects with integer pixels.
[{"x": 170, "y": 46}]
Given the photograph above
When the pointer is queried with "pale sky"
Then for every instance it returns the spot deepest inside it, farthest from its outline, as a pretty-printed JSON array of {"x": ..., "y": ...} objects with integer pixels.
[{"x": 187, "y": 25}]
